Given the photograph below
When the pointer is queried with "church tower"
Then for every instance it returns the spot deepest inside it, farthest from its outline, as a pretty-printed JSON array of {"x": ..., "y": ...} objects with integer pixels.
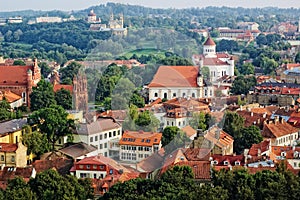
[{"x": 209, "y": 48}]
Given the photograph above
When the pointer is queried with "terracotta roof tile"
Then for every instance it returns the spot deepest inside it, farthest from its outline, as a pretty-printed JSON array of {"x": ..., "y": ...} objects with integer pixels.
[
  {"x": 219, "y": 137},
  {"x": 262, "y": 147},
  {"x": 213, "y": 61},
  {"x": 14, "y": 75},
  {"x": 140, "y": 138},
  {"x": 57, "y": 87},
  {"x": 274, "y": 129},
  {"x": 7, "y": 147},
  {"x": 209, "y": 42},
  {"x": 9, "y": 96},
  {"x": 77, "y": 150},
  {"x": 175, "y": 76},
  {"x": 101, "y": 124},
  {"x": 201, "y": 169},
  {"x": 189, "y": 131}
]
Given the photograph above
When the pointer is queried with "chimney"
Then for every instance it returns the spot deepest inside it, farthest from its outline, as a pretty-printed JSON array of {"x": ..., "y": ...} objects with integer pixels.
[
  {"x": 281, "y": 120},
  {"x": 251, "y": 114},
  {"x": 258, "y": 152},
  {"x": 265, "y": 115},
  {"x": 276, "y": 119}
]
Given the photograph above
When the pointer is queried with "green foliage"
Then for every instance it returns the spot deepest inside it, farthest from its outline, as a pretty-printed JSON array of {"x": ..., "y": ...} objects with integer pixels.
[
  {"x": 18, "y": 189},
  {"x": 246, "y": 69},
  {"x": 198, "y": 121},
  {"x": 242, "y": 84},
  {"x": 36, "y": 143},
  {"x": 42, "y": 96},
  {"x": 297, "y": 58},
  {"x": 174, "y": 138},
  {"x": 45, "y": 69},
  {"x": 227, "y": 45},
  {"x": 136, "y": 120},
  {"x": 137, "y": 100},
  {"x": 19, "y": 62},
  {"x": 53, "y": 122},
  {"x": 64, "y": 98},
  {"x": 69, "y": 71},
  {"x": 268, "y": 65},
  {"x": 5, "y": 110}
]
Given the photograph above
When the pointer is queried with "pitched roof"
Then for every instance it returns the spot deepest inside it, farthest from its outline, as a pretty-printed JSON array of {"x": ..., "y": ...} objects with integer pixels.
[
  {"x": 151, "y": 163},
  {"x": 189, "y": 131},
  {"x": 201, "y": 169},
  {"x": 175, "y": 76},
  {"x": 209, "y": 42},
  {"x": 12, "y": 125},
  {"x": 9, "y": 96},
  {"x": 231, "y": 159},
  {"x": 191, "y": 104},
  {"x": 7, "y": 147},
  {"x": 14, "y": 75},
  {"x": 289, "y": 151},
  {"x": 101, "y": 124},
  {"x": 262, "y": 147},
  {"x": 140, "y": 138},
  {"x": 100, "y": 159},
  {"x": 213, "y": 61},
  {"x": 77, "y": 150},
  {"x": 274, "y": 128},
  {"x": 219, "y": 137},
  {"x": 62, "y": 165},
  {"x": 57, "y": 87}
]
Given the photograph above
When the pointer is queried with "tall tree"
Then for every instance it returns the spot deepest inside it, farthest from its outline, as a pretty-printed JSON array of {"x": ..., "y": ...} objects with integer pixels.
[
  {"x": 64, "y": 98},
  {"x": 36, "y": 143},
  {"x": 69, "y": 71},
  {"x": 198, "y": 121},
  {"x": 53, "y": 122},
  {"x": 42, "y": 96},
  {"x": 45, "y": 69},
  {"x": 17, "y": 188},
  {"x": 5, "y": 110}
]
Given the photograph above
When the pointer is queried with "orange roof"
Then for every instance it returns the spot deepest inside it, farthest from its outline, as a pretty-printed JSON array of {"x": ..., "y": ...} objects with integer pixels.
[
  {"x": 201, "y": 169},
  {"x": 140, "y": 138},
  {"x": 189, "y": 131},
  {"x": 57, "y": 87},
  {"x": 175, "y": 76},
  {"x": 6, "y": 147},
  {"x": 209, "y": 42},
  {"x": 191, "y": 104},
  {"x": 213, "y": 61},
  {"x": 274, "y": 129},
  {"x": 263, "y": 147},
  {"x": 14, "y": 75},
  {"x": 9, "y": 96},
  {"x": 219, "y": 137},
  {"x": 289, "y": 151}
]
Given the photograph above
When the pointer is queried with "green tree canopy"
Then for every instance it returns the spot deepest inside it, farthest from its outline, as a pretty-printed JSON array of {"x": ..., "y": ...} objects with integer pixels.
[
  {"x": 5, "y": 110},
  {"x": 53, "y": 122},
  {"x": 19, "y": 62},
  {"x": 69, "y": 71},
  {"x": 45, "y": 69},
  {"x": 42, "y": 96},
  {"x": 64, "y": 98},
  {"x": 242, "y": 84}
]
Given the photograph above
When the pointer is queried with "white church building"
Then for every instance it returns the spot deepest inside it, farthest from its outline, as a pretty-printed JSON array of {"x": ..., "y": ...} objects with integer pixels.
[
  {"x": 219, "y": 64},
  {"x": 187, "y": 81}
]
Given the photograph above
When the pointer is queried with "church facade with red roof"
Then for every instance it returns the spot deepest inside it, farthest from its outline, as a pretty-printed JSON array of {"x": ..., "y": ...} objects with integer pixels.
[{"x": 20, "y": 80}]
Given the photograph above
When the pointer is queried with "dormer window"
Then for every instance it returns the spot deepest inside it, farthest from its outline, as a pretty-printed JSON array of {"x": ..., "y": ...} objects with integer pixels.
[
  {"x": 237, "y": 163},
  {"x": 226, "y": 162},
  {"x": 283, "y": 154},
  {"x": 215, "y": 162}
]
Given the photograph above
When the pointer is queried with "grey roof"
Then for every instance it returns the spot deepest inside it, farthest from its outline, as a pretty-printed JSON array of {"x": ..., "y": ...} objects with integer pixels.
[
  {"x": 77, "y": 150},
  {"x": 12, "y": 125},
  {"x": 100, "y": 125}
]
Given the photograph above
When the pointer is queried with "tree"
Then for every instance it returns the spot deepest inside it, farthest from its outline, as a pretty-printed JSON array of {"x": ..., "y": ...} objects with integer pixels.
[
  {"x": 168, "y": 134},
  {"x": 242, "y": 85},
  {"x": 104, "y": 89},
  {"x": 5, "y": 110},
  {"x": 174, "y": 138},
  {"x": 246, "y": 69},
  {"x": 45, "y": 69},
  {"x": 249, "y": 135},
  {"x": 36, "y": 143},
  {"x": 19, "y": 62},
  {"x": 53, "y": 122},
  {"x": 17, "y": 188},
  {"x": 137, "y": 100},
  {"x": 122, "y": 94},
  {"x": 69, "y": 71},
  {"x": 42, "y": 96},
  {"x": 52, "y": 186},
  {"x": 268, "y": 65},
  {"x": 64, "y": 98},
  {"x": 198, "y": 121},
  {"x": 297, "y": 58}
]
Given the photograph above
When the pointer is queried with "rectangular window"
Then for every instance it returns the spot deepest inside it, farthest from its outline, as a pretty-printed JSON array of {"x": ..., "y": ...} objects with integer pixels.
[
  {"x": 119, "y": 132},
  {"x": 12, "y": 158},
  {"x": 91, "y": 139},
  {"x": 88, "y": 166},
  {"x": 105, "y": 145},
  {"x": 115, "y": 133},
  {"x": 94, "y": 166},
  {"x": 133, "y": 148},
  {"x": 141, "y": 155},
  {"x": 110, "y": 134},
  {"x": 96, "y": 138},
  {"x": 105, "y": 135},
  {"x": 101, "y": 146},
  {"x": 101, "y": 137},
  {"x": 2, "y": 157}
]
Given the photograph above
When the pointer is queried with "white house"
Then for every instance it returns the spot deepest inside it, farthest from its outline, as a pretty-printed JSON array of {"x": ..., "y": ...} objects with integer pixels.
[{"x": 100, "y": 133}]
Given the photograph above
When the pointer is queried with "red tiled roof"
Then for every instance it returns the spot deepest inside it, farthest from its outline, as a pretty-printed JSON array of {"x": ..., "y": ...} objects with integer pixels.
[
  {"x": 201, "y": 169},
  {"x": 189, "y": 131},
  {"x": 274, "y": 129},
  {"x": 231, "y": 159},
  {"x": 9, "y": 96},
  {"x": 14, "y": 75},
  {"x": 7, "y": 147},
  {"x": 289, "y": 151},
  {"x": 190, "y": 104},
  {"x": 290, "y": 91},
  {"x": 213, "y": 61},
  {"x": 140, "y": 138},
  {"x": 263, "y": 147},
  {"x": 252, "y": 118},
  {"x": 219, "y": 137},
  {"x": 57, "y": 87},
  {"x": 209, "y": 42},
  {"x": 175, "y": 76}
]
